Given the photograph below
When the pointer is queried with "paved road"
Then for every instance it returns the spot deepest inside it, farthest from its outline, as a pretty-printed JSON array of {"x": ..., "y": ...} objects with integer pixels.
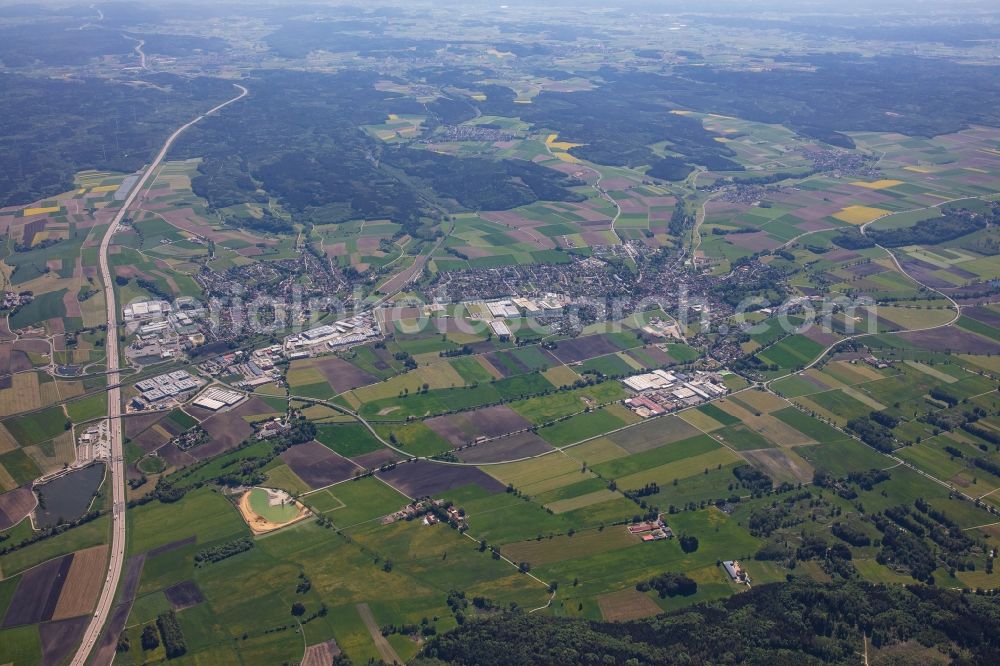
[{"x": 117, "y": 463}]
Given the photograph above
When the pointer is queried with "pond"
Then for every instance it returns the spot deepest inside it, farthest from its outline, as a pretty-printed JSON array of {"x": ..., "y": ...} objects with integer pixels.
[
  {"x": 68, "y": 497},
  {"x": 273, "y": 505}
]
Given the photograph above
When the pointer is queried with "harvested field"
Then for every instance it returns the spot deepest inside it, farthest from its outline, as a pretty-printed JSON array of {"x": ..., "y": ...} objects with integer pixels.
[
  {"x": 173, "y": 545},
  {"x": 754, "y": 241},
  {"x": 777, "y": 431},
  {"x": 864, "y": 270},
  {"x": 581, "y": 501},
  {"x": 424, "y": 478},
  {"x": 652, "y": 434},
  {"x": 376, "y": 458},
  {"x": 38, "y": 592},
  {"x": 341, "y": 375},
  {"x": 781, "y": 465},
  {"x": 321, "y": 654},
  {"x": 34, "y": 345},
  {"x": 174, "y": 457},
  {"x": 580, "y": 349},
  {"x": 559, "y": 548},
  {"x": 761, "y": 400},
  {"x": 15, "y": 506},
  {"x": 131, "y": 576},
  {"x": 653, "y": 353},
  {"x": 227, "y": 430},
  {"x": 104, "y": 652},
  {"x": 134, "y": 424},
  {"x": 317, "y": 465},
  {"x": 463, "y": 428},
  {"x": 515, "y": 447},
  {"x": 951, "y": 338},
  {"x": 60, "y": 638},
  {"x": 817, "y": 334},
  {"x": 184, "y": 595},
  {"x": 251, "y": 408},
  {"x": 924, "y": 272},
  {"x": 502, "y": 364},
  {"x": 985, "y": 315},
  {"x": 626, "y": 605},
  {"x": 151, "y": 439},
  {"x": 83, "y": 584}
]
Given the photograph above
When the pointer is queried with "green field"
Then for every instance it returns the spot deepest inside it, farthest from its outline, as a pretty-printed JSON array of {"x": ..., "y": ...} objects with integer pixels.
[
  {"x": 349, "y": 439},
  {"x": 37, "y": 427}
]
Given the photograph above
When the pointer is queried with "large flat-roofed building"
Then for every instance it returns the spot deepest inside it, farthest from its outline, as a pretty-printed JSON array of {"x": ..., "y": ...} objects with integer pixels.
[
  {"x": 146, "y": 310},
  {"x": 649, "y": 381},
  {"x": 503, "y": 309},
  {"x": 209, "y": 403},
  {"x": 320, "y": 332},
  {"x": 500, "y": 328},
  {"x": 215, "y": 398}
]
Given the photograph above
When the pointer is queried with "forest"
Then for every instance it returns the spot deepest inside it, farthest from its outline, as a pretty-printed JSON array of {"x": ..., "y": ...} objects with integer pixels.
[
  {"x": 618, "y": 122},
  {"x": 906, "y": 94},
  {"x": 800, "y": 622},
  {"x": 54, "y": 128},
  {"x": 298, "y": 137},
  {"x": 953, "y": 224}
]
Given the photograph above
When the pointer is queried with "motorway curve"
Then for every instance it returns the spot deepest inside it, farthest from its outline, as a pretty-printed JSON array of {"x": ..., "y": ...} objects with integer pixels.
[{"x": 117, "y": 462}]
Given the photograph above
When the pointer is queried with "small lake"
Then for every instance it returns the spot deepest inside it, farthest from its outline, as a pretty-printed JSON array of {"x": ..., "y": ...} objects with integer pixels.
[{"x": 68, "y": 497}]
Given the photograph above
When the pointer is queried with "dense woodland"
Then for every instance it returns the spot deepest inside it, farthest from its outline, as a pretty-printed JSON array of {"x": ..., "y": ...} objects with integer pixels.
[
  {"x": 800, "y": 622},
  {"x": 953, "y": 224},
  {"x": 54, "y": 128},
  {"x": 299, "y": 138}
]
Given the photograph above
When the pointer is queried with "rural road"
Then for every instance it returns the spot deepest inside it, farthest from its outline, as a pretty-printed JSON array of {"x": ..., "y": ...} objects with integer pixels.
[
  {"x": 117, "y": 462},
  {"x": 895, "y": 260}
]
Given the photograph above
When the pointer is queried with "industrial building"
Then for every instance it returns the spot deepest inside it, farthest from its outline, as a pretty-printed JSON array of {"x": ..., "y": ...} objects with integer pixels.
[{"x": 215, "y": 398}]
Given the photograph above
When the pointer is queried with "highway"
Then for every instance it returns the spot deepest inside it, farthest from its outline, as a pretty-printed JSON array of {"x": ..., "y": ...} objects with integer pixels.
[{"x": 117, "y": 462}]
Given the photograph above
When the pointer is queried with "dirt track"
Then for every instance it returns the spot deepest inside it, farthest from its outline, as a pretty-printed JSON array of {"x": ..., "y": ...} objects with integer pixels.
[{"x": 386, "y": 651}]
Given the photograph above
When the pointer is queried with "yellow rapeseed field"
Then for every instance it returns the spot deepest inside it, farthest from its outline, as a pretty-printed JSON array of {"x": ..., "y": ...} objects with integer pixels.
[
  {"x": 859, "y": 214},
  {"x": 550, "y": 141},
  {"x": 28, "y": 212},
  {"x": 883, "y": 184}
]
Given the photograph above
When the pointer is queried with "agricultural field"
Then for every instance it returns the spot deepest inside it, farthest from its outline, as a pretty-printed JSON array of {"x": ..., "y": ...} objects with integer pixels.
[{"x": 605, "y": 305}]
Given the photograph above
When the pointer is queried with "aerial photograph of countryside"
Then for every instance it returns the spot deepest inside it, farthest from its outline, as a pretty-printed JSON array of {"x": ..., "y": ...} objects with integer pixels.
[{"x": 499, "y": 332}]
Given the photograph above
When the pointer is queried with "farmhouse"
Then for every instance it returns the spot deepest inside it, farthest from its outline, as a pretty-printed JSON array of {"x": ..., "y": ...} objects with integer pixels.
[
  {"x": 652, "y": 530},
  {"x": 736, "y": 572},
  {"x": 273, "y": 427}
]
